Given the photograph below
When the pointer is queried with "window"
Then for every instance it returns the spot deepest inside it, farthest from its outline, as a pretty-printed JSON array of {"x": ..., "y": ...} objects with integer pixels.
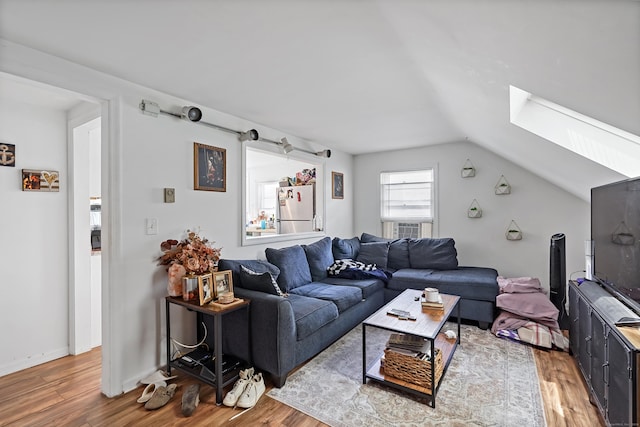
[
  {"x": 597, "y": 141},
  {"x": 407, "y": 195},
  {"x": 407, "y": 203}
]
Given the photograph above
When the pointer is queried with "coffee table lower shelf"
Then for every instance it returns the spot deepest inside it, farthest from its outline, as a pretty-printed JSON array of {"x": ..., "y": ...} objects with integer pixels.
[{"x": 446, "y": 346}]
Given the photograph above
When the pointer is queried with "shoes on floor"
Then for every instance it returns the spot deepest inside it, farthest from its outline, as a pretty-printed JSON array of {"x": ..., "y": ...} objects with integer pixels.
[
  {"x": 231, "y": 398},
  {"x": 158, "y": 377},
  {"x": 160, "y": 397},
  {"x": 149, "y": 390},
  {"x": 190, "y": 399},
  {"x": 252, "y": 392}
]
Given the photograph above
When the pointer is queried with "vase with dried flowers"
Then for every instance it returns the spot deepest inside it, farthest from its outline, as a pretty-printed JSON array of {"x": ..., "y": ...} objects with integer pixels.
[{"x": 190, "y": 257}]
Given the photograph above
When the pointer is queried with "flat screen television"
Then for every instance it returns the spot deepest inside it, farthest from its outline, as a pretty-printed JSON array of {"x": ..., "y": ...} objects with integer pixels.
[{"x": 615, "y": 231}]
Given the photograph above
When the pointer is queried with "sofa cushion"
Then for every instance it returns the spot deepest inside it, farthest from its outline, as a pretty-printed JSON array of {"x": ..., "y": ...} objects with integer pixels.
[
  {"x": 409, "y": 278},
  {"x": 374, "y": 253},
  {"x": 398, "y": 250},
  {"x": 310, "y": 314},
  {"x": 293, "y": 265},
  {"x": 474, "y": 283},
  {"x": 367, "y": 286},
  {"x": 263, "y": 282},
  {"x": 319, "y": 257},
  {"x": 345, "y": 248},
  {"x": 344, "y": 297},
  {"x": 259, "y": 266},
  {"x": 438, "y": 254}
]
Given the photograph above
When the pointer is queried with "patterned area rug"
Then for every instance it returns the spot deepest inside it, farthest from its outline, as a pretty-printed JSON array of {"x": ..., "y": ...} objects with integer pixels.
[{"x": 490, "y": 382}]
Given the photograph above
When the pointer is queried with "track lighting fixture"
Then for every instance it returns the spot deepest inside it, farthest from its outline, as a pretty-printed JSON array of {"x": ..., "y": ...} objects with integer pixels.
[
  {"x": 194, "y": 114},
  {"x": 150, "y": 108},
  {"x": 250, "y": 135},
  {"x": 190, "y": 113},
  {"x": 286, "y": 147}
]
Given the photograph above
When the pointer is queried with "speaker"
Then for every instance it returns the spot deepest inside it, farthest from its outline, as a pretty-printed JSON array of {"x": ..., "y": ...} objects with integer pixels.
[{"x": 558, "y": 277}]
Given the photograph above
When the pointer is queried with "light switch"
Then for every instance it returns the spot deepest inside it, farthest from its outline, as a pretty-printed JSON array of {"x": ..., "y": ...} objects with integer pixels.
[
  {"x": 152, "y": 226},
  {"x": 169, "y": 195}
]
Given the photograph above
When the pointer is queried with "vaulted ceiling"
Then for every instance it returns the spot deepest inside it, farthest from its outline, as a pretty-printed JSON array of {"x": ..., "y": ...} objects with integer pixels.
[{"x": 366, "y": 76}]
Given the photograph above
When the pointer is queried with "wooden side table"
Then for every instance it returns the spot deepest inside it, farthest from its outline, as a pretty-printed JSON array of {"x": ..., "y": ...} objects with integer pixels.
[{"x": 217, "y": 312}]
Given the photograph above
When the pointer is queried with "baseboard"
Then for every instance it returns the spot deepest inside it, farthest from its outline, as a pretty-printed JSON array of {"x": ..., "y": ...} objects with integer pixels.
[{"x": 31, "y": 361}]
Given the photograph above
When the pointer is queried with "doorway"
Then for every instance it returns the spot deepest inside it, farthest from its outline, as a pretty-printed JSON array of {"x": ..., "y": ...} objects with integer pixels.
[{"x": 85, "y": 223}]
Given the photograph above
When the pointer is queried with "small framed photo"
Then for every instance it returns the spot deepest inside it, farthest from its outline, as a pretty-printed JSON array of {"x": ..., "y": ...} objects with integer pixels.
[
  {"x": 223, "y": 284},
  {"x": 209, "y": 168},
  {"x": 205, "y": 288},
  {"x": 40, "y": 180},
  {"x": 337, "y": 185}
]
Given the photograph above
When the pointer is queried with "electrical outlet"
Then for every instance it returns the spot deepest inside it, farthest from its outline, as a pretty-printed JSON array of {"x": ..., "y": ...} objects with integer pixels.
[
  {"x": 169, "y": 195},
  {"x": 152, "y": 226}
]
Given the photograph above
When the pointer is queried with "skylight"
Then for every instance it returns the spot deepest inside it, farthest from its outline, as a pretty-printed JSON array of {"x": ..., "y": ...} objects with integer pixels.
[{"x": 602, "y": 143}]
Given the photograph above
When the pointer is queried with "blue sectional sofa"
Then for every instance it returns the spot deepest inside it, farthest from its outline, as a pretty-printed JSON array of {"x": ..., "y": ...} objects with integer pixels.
[{"x": 297, "y": 309}]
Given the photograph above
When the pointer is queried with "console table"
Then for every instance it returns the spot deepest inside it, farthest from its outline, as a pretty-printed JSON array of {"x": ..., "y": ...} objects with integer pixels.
[
  {"x": 216, "y": 311},
  {"x": 608, "y": 355}
]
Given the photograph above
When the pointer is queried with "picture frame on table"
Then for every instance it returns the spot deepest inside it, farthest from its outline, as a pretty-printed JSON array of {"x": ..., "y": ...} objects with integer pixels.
[
  {"x": 209, "y": 168},
  {"x": 337, "y": 185},
  {"x": 205, "y": 288},
  {"x": 223, "y": 284}
]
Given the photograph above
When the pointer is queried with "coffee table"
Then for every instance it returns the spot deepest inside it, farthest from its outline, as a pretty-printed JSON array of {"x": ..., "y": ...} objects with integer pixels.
[{"x": 428, "y": 325}]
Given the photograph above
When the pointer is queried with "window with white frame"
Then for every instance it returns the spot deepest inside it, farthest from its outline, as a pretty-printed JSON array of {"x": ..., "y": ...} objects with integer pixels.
[{"x": 407, "y": 203}]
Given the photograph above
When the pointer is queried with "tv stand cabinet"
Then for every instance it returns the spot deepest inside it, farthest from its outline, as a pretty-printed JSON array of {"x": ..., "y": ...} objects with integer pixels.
[{"x": 608, "y": 355}]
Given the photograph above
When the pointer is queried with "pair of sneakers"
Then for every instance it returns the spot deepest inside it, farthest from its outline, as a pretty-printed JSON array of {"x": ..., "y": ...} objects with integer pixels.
[{"x": 246, "y": 391}]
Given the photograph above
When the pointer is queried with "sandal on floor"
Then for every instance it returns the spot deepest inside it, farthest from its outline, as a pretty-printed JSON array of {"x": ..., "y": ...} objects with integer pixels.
[
  {"x": 157, "y": 377},
  {"x": 148, "y": 392},
  {"x": 161, "y": 397},
  {"x": 190, "y": 399}
]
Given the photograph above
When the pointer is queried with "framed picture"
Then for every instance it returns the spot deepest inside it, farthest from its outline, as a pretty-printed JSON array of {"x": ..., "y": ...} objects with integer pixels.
[
  {"x": 337, "y": 185},
  {"x": 223, "y": 283},
  {"x": 39, "y": 180},
  {"x": 205, "y": 288},
  {"x": 209, "y": 168},
  {"x": 7, "y": 155}
]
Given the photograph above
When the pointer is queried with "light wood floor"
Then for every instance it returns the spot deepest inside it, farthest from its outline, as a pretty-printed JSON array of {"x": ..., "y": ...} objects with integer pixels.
[{"x": 66, "y": 392}]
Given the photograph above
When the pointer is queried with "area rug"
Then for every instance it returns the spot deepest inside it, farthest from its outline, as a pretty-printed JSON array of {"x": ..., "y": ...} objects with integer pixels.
[{"x": 490, "y": 382}]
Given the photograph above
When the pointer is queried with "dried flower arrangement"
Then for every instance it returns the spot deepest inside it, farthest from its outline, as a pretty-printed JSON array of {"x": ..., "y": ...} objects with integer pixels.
[{"x": 194, "y": 253}]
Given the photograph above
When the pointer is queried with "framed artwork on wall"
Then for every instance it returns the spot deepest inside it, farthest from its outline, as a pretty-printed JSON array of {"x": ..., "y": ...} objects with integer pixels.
[
  {"x": 209, "y": 168},
  {"x": 40, "y": 180},
  {"x": 337, "y": 185},
  {"x": 7, "y": 155}
]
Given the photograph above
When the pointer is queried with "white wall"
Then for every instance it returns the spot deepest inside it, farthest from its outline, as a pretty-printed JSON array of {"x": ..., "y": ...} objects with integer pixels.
[
  {"x": 540, "y": 208},
  {"x": 143, "y": 155},
  {"x": 33, "y": 246}
]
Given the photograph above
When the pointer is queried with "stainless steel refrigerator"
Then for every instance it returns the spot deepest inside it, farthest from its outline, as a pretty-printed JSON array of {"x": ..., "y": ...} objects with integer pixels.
[{"x": 296, "y": 209}]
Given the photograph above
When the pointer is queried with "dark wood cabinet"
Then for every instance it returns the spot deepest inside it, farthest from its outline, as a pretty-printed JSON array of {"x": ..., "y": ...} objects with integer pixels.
[{"x": 608, "y": 356}]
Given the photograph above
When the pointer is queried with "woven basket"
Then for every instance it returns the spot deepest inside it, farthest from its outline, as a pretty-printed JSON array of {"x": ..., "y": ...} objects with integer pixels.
[{"x": 411, "y": 369}]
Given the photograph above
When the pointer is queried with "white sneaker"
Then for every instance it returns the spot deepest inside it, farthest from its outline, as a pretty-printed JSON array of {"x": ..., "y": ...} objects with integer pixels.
[
  {"x": 252, "y": 393},
  {"x": 245, "y": 378}
]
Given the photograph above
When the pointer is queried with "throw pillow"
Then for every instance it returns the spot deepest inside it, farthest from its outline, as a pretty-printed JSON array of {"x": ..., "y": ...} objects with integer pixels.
[
  {"x": 374, "y": 253},
  {"x": 345, "y": 248},
  {"x": 398, "y": 250},
  {"x": 438, "y": 254},
  {"x": 319, "y": 257},
  {"x": 262, "y": 282},
  {"x": 293, "y": 265},
  {"x": 370, "y": 238}
]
